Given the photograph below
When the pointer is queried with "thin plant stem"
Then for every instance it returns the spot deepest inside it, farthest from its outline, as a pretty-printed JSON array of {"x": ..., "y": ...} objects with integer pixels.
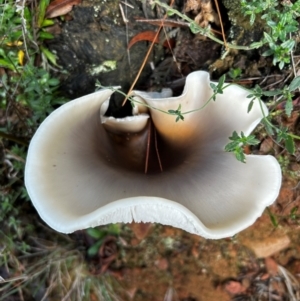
[
  {"x": 148, "y": 146},
  {"x": 157, "y": 152},
  {"x": 195, "y": 28},
  {"x": 221, "y": 23}
]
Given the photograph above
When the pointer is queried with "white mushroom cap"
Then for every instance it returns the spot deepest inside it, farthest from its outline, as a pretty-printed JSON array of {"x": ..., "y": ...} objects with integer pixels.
[{"x": 81, "y": 173}]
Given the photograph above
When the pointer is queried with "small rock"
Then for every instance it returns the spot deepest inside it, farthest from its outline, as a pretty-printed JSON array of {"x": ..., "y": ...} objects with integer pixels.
[
  {"x": 162, "y": 264},
  {"x": 268, "y": 246},
  {"x": 234, "y": 287}
]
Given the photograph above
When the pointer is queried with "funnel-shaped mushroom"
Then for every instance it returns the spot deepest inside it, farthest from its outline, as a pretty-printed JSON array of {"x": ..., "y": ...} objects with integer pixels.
[{"x": 84, "y": 169}]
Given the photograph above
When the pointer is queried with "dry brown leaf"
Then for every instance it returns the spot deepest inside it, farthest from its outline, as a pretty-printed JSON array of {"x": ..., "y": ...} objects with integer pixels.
[
  {"x": 60, "y": 7},
  {"x": 144, "y": 36},
  {"x": 151, "y": 37}
]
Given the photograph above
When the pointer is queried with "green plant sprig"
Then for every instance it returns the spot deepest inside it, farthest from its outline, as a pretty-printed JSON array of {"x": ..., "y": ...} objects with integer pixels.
[
  {"x": 281, "y": 132},
  {"x": 279, "y": 24},
  {"x": 195, "y": 28},
  {"x": 217, "y": 89},
  {"x": 22, "y": 33},
  {"x": 238, "y": 142},
  {"x": 33, "y": 88}
]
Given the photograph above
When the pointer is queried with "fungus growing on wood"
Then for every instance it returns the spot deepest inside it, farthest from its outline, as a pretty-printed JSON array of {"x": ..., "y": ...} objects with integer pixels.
[{"x": 84, "y": 169}]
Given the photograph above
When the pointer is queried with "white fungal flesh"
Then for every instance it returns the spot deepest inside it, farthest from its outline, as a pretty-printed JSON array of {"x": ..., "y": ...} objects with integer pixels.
[{"x": 80, "y": 174}]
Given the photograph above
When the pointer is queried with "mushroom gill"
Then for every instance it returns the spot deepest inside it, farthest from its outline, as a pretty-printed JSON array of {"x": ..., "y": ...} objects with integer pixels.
[{"x": 84, "y": 169}]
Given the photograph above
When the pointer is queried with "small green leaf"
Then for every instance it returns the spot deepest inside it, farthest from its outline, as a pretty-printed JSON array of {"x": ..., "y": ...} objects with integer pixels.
[
  {"x": 221, "y": 81},
  {"x": 213, "y": 86},
  {"x": 95, "y": 233},
  {"x": 44, "y": 35},
  {"x": 230, "y": 147},
  {"x": 237, "y": 144},
  {"x": 53, "y": 82},
  {"x": 4, "y": 63},
  {"x": 41, "y": 12},
  {"x": 239, "y": 154},
  {"x": 295, "y": 84},
  {"x": 256, "y": 44},
  {"x": 49, "y": 55},
  {"x": 195, "y": 28},
  {"x": 234, "y": 73},
  {"x": 290, "y": 145},
  {"x": 27, "y": 14},
  {"x": 273, "y": 218},
  {"x": 234, "y": 136},
  {"x": 281, "y": 65},
  {"x": 272, "y": 93},
  {"x": 47, "y": 22},
  {"x": 251, "y": 140},
  {"x": 94, "y": 249},
  {"x": 290, "y": 28},
  {"x": 250, "y": 105},
  {"x": 289, "y": 107},
  {"x": 252, "y": 19},
  {"x": 177, "y": 112},
  {"x": 179, "y": 117},
  {"x": 170, "y": 13},
  {"x": 268, "y": 38},
  {"x": 281, "y": 134},
  {"x": 268, "y": 52},
  {"x": 114, "y": 229},
  {"x": 289, "y": 44},
  {"x": 271, "y": 23},
  {"x": 293, "y": 212}
]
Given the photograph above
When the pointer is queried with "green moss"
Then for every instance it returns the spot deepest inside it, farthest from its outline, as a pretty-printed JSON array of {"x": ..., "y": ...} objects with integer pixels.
[{"x": 241, "y": 32}]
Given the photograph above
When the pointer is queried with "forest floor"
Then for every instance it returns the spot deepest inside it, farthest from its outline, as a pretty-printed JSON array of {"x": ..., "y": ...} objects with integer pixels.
[{"x": 139, "y": 262}]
